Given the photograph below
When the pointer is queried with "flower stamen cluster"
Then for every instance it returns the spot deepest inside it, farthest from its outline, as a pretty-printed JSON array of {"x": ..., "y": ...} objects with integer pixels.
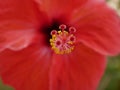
[{"x": 62, "y": 41}]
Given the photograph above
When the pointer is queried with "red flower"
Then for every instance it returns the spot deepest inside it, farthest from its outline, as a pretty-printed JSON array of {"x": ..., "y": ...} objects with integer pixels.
[{"x": 56, "y": 44}]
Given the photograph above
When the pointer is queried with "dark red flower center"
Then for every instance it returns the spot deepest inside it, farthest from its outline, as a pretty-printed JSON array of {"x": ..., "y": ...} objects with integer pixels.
[
  {"x": 59, "y": 36},
  {"x": 47, "y": 28}
]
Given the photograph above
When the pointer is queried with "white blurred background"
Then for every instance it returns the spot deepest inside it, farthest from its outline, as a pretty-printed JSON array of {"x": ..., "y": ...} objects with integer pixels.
[{"x": 115, "y": 4}]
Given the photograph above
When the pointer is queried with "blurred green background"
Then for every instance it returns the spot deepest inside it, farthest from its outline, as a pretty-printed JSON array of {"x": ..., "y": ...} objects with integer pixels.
[{"x": 111, "y": 78}]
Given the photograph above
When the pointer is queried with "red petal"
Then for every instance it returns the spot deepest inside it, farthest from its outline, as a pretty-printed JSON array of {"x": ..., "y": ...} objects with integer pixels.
[
  {"x": 31, "y": 68},
  {"x": 98, "y": 27},
  {"x": 15, "y": 39},
  {"x": 19, "y": 10},
  {"x": 17, "y": 20},
  {"x": 26, "y": 69},
  {"x": 56, "y": 8},
  {"x": 55, "y": 69},
  {"x": 80, "y": 70}
]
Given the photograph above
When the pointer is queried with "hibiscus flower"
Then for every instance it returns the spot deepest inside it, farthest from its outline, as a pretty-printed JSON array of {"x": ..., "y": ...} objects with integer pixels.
[{"x": 56, "y": 44}]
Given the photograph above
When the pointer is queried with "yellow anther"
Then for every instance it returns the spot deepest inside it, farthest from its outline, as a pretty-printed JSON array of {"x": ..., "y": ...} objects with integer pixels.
[{"x": 59, "y": 32}]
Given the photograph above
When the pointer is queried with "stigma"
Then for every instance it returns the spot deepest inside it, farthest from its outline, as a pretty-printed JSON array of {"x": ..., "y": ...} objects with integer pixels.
[{"x": 63, "y": 41}]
